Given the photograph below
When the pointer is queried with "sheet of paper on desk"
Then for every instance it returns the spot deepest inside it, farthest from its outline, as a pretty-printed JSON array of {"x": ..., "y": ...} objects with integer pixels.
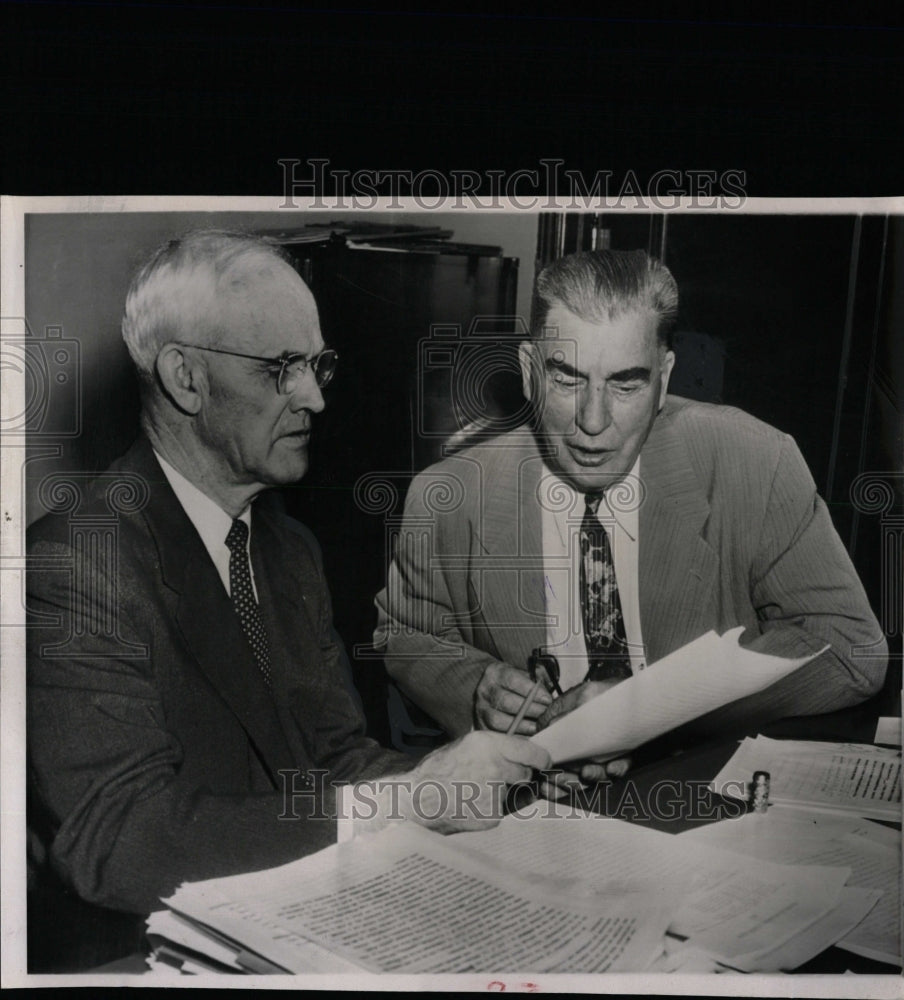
[
  {"x": 179, "y": 932},
  {"x": 872, "y": 852},
  {"x": 170, "y": 930},
  {"x": 702, "y": 676},
  {"x": 842, "y": 777},
  {"x": 851, "y": 908},
  {"x": 738, "y": 911},
  {"x": 404, "y": 901}
]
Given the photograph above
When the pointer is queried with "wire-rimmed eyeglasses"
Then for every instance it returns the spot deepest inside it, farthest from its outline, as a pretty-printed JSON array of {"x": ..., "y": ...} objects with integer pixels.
[{"x": 292, "y": 367}]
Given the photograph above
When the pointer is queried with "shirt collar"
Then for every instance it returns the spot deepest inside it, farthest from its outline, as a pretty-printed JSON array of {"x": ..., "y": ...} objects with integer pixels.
[
  {"x": 210, "y": 520},
  {"x": 626, "y": 519},
  {"x": 633, "y": 472}
]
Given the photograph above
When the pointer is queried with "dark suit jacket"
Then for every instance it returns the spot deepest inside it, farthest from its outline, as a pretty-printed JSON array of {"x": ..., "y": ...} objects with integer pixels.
[
  {"x": 731, "y": 532},
  {"x": 154, "y": 747}
]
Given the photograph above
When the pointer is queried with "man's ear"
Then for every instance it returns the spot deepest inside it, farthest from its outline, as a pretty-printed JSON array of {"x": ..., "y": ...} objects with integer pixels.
[
  {"x": 526, "y": 355},
  {"x": 668, "y": 363},
  {"x": 183, "y": 380}
]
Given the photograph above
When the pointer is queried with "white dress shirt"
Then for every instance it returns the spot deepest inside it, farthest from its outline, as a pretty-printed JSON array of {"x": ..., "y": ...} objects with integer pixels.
[
  {"x": 560, "y": 523},
  {"x": 211, "y": 522}
]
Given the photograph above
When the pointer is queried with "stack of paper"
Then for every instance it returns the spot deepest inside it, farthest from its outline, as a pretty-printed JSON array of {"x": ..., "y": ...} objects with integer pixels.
[
  {"x": 702, "y": 676},
  {"x": 847, "y": 778},
  {"x": 765, "y": 917},
  {"x": 406, "y": 901},
  {"x": 552, "y": 891},
  {"x": 872, "y": 852}
]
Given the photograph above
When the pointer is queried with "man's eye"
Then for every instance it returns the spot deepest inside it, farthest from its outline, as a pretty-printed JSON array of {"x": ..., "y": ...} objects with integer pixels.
[
  {"x": 562, "y": 381},
  {"x": 627, "y": 388}
]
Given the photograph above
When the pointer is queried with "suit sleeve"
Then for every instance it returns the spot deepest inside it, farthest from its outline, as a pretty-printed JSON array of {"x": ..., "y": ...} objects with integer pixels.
[
  {"x": 131, "y": 815},
  {"x": 338, "y": 737},
  {"x": 422, "y": 625},
  {"x": 806, "y": 594}
]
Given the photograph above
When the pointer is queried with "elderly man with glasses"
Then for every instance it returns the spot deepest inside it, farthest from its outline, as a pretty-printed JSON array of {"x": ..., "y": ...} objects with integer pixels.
[{"x": 190, "y": 713}]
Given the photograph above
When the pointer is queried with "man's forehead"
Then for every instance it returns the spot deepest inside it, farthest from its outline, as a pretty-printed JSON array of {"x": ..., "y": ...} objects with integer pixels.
[
  {"x": 267, "y": 305},
  {"x": 259, "y": 275},
  {"x": 567, "y": 336}
]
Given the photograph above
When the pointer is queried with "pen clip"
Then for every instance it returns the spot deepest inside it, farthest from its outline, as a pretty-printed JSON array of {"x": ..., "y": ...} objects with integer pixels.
[{"x": 544, "y": 666}]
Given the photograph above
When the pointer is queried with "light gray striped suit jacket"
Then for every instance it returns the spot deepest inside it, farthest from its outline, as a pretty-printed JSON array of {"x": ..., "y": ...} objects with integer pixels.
[{"x": 731, "y": 531}]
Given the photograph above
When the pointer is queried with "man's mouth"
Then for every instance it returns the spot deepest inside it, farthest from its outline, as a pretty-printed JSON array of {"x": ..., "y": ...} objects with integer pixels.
[{"x": 589, "y": 457}]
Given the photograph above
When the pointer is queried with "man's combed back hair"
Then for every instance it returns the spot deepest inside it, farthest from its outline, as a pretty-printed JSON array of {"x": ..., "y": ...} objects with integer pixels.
[
  {"x": 605, "y": 284},
  {"x": 172, "y": 296}
]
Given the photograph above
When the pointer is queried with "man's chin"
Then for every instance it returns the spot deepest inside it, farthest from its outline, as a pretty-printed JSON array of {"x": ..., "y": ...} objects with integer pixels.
[
  {"x": 593, "y": 482},
  {"x": 592, "y": 478},
  {"x": 288, "y": 472}
]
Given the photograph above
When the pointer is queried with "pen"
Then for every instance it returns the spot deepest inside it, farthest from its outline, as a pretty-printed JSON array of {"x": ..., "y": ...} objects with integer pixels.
[
  {"x": 543, "y": 669},
  {"x": 528, "y": 701}
]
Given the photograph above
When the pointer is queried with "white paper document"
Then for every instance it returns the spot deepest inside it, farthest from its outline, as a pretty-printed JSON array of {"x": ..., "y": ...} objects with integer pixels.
[
  {"x": 738, "y": 912},
  {"x": 840, "y": 777},
  {"x": 850, "y": 910},
  {"x": 700, "y": 677},
  {"x": 871, "y": 852},
  {"x": 172, "y": 928},
  {"x": 405, "y": 901}
]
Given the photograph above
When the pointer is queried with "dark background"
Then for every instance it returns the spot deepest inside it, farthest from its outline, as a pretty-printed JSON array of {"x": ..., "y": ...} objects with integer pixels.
[{"x": 190, "y": 98}]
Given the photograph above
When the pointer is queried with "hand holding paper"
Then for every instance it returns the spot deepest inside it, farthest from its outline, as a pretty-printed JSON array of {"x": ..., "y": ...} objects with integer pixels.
[{"x": 700, "y": 677}]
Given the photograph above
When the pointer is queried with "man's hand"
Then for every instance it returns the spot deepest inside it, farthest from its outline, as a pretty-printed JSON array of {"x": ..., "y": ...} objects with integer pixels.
[
  {"x": 594, "y": 769},
  {"x": 571, "y": 699},
  {"x": 500, "y": 695},
  {"x": 462, "y": 786},
  {"x": 558, "y": 784}
]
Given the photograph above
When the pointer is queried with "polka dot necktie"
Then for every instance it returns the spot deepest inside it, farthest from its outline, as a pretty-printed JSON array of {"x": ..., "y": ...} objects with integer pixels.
[
  {"x": 243, "y": 596},
  {"x": 604, "y": 627}
]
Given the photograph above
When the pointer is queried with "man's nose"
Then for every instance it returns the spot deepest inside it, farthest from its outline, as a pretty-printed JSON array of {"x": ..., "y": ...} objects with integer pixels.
[
  {"x": 306, "y": 395},
  {"x": 593, "y": 415}
]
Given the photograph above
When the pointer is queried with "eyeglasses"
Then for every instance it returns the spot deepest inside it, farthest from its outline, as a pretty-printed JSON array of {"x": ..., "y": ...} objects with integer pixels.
[{"x": 292, "y": 367}]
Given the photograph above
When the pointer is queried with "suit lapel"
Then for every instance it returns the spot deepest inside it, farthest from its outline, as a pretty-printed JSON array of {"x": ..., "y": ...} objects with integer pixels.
[
  {"x": 207, "y": 618},
  {"x": 509, "y": 555},
  {"x": 288, "y": 614},
  {"x": 678, "y": 568}
]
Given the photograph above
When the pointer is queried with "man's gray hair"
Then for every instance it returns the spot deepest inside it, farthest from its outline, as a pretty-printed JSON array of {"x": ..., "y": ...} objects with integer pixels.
[
  {"x": 172, "y": 297},
  {"x": 605, "y": 284}
]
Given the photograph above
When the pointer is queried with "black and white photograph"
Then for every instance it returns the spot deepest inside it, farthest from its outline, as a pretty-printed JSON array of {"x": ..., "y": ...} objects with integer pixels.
[
  {"x": 442, "y": 651},
  {"x": 475, "y": 576}
]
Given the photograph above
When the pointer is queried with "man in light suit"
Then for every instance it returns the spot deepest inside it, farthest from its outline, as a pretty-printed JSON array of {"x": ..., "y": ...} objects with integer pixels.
[
  {"x": 711, "y": 518},
  {"x": 189, "y": 712}
]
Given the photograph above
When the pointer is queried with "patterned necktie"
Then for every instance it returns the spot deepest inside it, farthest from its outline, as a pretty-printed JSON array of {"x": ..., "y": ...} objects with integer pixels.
[
  {"x": 243, "y": 596},
  {"x": 604, "y": 629}
]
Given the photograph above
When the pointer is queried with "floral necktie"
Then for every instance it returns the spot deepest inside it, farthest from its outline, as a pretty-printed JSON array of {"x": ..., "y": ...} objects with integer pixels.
[{"x": 604, "y": 627}]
